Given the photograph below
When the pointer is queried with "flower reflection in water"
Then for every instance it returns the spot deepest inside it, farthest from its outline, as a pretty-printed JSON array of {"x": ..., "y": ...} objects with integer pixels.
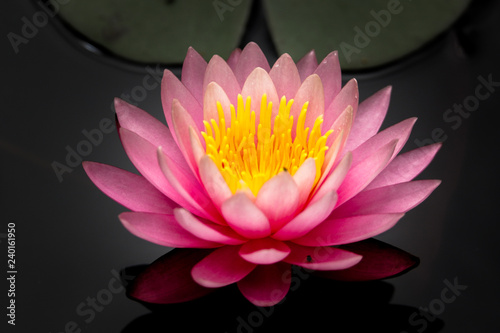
[{"x": 313, "y": 303}]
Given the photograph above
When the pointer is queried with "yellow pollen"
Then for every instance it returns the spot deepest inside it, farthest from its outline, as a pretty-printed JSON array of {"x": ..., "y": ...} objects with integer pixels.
[{"x": 248, "y": 153}]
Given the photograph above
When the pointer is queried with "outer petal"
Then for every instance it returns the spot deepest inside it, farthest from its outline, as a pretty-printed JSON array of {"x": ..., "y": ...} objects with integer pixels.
[
  {"x": 266, "y": 285},
  {"x": 172, "y": 88},
  {"x": 131, "y": 190},
  {"x": 245, "y": 218},
  {"x": 193, "y": 71},
  {"x": 335, "y": 179},
  {"x": 348, "y": 229},
  {"x": 309, "y": 218},
  {"x": 401, "y": 131},
  {"x": 369, "y": 118},
  {"x": 143, "y": 124},
  {"x": 398, "y": 198},
  {"x": 278, "y": 199},
  {"x": 168, "y": 279},
  {"x": 163, "y": 230},
  {"x": 379, "y": 261},
  {"x": 321, "y": 258},
  {"x": 264, "y": 251},
  {"x": 361, "y": 175},
  {"x": 285, "y": 76},
  {"x": 349, "y": 95},
  {"x": 143, "y": 155},
  {"x": 219, "y": 72},
  {"x": 181, "y": 122},
  {"x": 330, "y": 74},
  {"x": 332, "y": 154},
  {"x": 341, "y": 129},
  {"x": 251, "y": 57},
  {"x": 187, "y": 187},
  {"x": 405, "y": 167},
  {"x": 307, "y": 65},
  {"x": 206, "y": 229},
  {"x": 310, "y": 91},
  {"x": 222, "y": 267}
]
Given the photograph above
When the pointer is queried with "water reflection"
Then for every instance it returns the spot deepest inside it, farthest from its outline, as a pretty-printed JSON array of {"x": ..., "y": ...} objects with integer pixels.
[{"x": 313, "y": 304}]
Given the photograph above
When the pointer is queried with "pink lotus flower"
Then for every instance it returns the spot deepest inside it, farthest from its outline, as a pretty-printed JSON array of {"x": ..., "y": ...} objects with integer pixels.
[{"x": 260, "y": 168}]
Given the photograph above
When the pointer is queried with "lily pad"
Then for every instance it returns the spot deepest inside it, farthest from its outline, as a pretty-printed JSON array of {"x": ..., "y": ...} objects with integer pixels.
[
  {"x": 158, "y": 31},
  {"x": 366, "y": 33}
]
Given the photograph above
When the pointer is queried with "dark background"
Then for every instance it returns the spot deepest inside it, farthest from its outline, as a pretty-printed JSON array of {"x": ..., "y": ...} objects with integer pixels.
[{"x": 70, "y": 245}]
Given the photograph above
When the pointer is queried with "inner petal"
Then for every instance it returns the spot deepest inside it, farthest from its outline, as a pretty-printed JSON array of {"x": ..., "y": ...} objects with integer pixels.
[{"x": 250, "y": 151}]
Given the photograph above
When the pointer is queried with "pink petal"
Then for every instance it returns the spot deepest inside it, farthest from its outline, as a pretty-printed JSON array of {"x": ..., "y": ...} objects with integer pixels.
[
  {"x": 214, "y": 94},
  {"x": 405, "y": 167},
  {"x": 398, "y": 198},
  {"x": 213, "y": 181},
  {"x": 172, "y": 88},
  {"x": 250, "y": 58},
  {"x": 278, "y": 199},
  {"x": 332, "y": 154},
  {"x": 363, "y": 173},
  {"x": 304, "y": 178},
  {"x": 348, "y": 229},
  {"x": 379, "y": 261},
  {"x": 321, "y": 258},
  {"x": 285, "y": 76},
  {"x": 219, "y": 72},
  {"x": 341, "y": 128},
  {"x": 222, "y": 267},
  {"x": 163, "y": 230},
  {"x": 335, "y": 179},
  {"x": 310, "y": 91},
  {"x": 181, "y": 122},
  {"x": 130, "y": 190},
  {"x": 309, "y": 218},
  {"x": 233, "y": 58},
  {"x": 244, "y": 217},
  {"x": 143, "y": 155},
  {"x": 168, "y": 279},
  {"x": 264, "y": 251},
  {"x": 207, "y": 230},
  {"x": 330, "y": 74},
  {"x": 307, "y": 65},
  {"x": 349, "y": 95},
  {"x": 266, "y": 285},
  {"x": 257, "y": 84},
  {"x": 401, "y": 131},
  {"x": 369, "y": 118},
  {"x": 193, "y": 71},
  {"x": 196, "y": 145},
  {"x": 188, "y": 187},
  {"x": 143, "y": 124}
]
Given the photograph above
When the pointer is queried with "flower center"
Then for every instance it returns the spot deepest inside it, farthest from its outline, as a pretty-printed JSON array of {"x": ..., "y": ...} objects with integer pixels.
[{"x": 248, "y": 153}]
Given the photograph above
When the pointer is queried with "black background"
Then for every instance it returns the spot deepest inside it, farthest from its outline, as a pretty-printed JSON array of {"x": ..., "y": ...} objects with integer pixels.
[{"x": 70, "y": 244}]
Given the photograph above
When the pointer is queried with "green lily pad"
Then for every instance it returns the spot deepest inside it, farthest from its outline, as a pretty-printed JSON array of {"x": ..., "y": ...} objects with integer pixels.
[
  {"x": 366, "y": 33},
  {"x": 159, "y": 31}
]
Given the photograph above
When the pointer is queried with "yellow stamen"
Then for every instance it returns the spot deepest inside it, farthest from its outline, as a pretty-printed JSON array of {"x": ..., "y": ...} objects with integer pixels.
[{"x": 249, "y": 154}]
